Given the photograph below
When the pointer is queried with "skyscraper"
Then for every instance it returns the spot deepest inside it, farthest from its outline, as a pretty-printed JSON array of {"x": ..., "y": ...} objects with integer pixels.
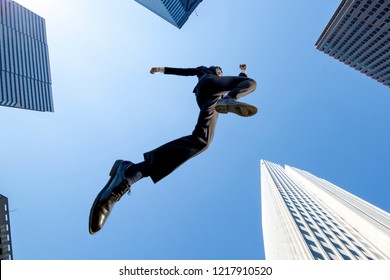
[
  {"x": 358, "y": 35},
  {"x": 5, "y": 230},
  {"x": 305, "y": 217},
  {"x": 175, "y": 12},
  {"x": 25, "y": 80}
]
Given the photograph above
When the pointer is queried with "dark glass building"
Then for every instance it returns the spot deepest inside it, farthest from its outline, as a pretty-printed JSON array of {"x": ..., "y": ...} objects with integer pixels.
[
  {"x": 358, "y": 35},
  {"x": 5, "y": 230},
  {"x": 175, "y": 12},
  {"x": 25, "y": 80}
]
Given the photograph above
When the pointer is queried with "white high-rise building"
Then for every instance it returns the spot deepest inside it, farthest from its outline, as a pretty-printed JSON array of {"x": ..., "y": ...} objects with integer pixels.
[{"x": 305, "y": 217}]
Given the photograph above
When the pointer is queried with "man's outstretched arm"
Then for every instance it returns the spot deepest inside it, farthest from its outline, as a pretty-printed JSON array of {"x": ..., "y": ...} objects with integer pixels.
[{"x": 175, "y": 71}]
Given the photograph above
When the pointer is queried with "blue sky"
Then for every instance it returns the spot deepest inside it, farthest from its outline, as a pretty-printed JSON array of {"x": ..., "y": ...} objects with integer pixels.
[{"x": 315, "y": 114}]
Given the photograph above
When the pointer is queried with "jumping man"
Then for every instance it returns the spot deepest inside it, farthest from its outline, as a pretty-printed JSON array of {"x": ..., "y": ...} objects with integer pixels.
[{"x": 215, "y": 94}]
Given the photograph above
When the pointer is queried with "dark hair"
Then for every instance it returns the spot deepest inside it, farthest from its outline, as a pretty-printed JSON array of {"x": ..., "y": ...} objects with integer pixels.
[{"x": 214, "y": 69}]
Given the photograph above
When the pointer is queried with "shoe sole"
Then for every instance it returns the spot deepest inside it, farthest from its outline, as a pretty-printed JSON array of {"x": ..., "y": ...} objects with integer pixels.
[
  {"x": 112, "y": 173},
  {"x": 243, "y": 110}
]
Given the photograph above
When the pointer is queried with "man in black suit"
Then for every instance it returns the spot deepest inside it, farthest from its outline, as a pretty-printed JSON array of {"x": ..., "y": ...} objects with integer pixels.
[{"x": 215, "y": 94}]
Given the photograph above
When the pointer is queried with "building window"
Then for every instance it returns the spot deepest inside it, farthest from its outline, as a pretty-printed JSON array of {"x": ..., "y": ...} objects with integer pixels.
[
  {"x": 317, "y": 256},
  {"x": 345, "y": 257}
]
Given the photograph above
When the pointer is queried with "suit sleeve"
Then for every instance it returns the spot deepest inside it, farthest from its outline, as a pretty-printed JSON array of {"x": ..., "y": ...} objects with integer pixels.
[{"x": 181, "y": 71}]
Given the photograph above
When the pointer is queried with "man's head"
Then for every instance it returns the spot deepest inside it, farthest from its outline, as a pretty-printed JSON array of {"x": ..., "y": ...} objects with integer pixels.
[{"x": 217, "y": 70}]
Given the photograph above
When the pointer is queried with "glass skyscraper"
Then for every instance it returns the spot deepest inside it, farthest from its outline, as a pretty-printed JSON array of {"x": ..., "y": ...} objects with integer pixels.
[
  {"x": 305, "y": 217},
  {"x": 5, "y": 230},
  {"x": 358, "y": 35},
  {"x": 25, "y": 80},
  {"x": 175, "y": 12}
]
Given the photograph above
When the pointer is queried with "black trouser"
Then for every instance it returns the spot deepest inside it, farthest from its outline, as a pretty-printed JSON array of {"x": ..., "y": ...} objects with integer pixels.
[{"x": 166, "y": 158}]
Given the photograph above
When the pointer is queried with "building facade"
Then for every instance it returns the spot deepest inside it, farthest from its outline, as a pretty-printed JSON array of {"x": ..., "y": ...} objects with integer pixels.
[
  {"x": 25, "y": 80},
  {"x": 305, "y": 217},
  {"x": 175, "y": 12},
  {"x": 5, "y": 230},
  {"x": 358, "y": 35}
]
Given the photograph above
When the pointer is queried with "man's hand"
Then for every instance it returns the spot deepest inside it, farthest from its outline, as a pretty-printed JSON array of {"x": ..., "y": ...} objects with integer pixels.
[
  {"x": 243, "y": 67},
  {"x": 154, "y": 70}
]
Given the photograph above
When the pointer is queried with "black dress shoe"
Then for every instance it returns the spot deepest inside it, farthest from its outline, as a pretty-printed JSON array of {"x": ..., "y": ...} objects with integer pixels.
[{"x": 115, "y": 188}]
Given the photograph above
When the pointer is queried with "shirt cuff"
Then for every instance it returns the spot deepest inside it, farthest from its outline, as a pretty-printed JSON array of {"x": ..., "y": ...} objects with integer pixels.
[{"x": 162, "y": 69}]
